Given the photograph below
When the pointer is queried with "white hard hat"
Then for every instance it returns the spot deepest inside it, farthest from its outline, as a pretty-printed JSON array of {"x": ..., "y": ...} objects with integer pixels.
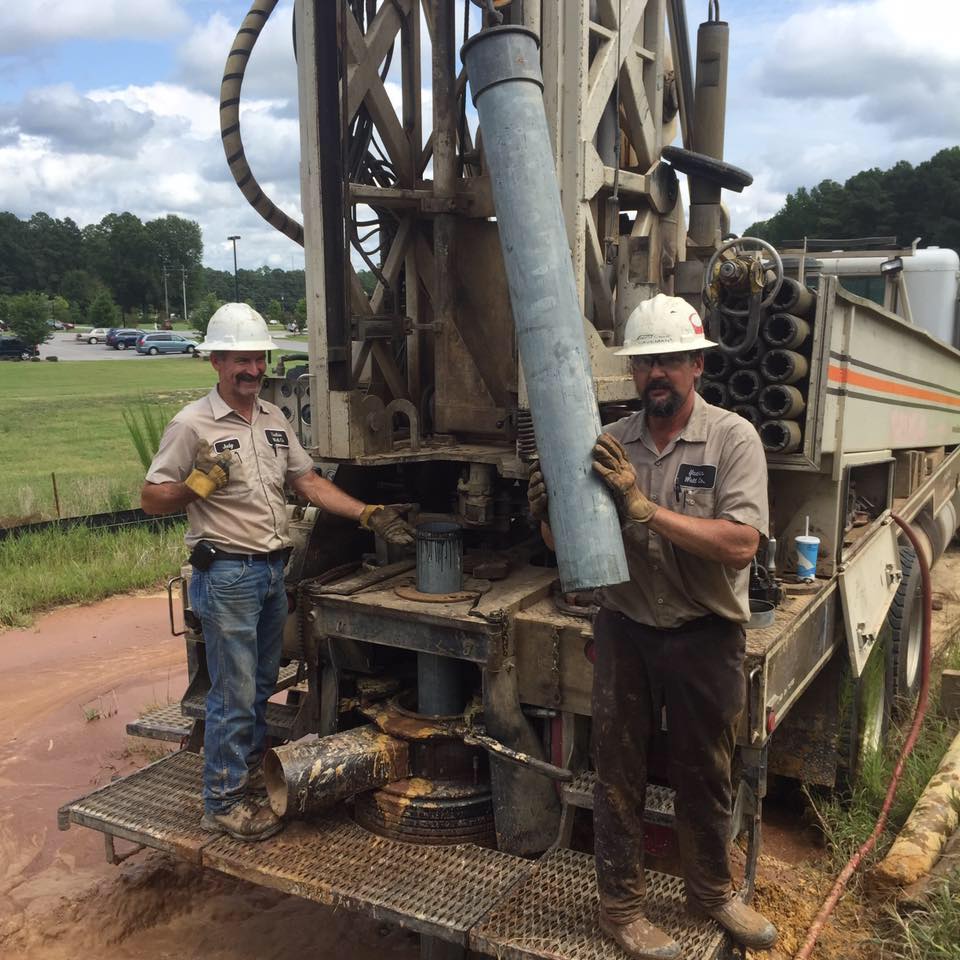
[
  {"x": 237, "y": 326},
  {"x": 663, "y": 325}
]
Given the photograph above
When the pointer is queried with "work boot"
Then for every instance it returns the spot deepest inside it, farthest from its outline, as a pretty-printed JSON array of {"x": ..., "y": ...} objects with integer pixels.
[
  {"x": 748, "y": 927},
  {"x": 245, "y": 820},
  {"x": 640, "y": 938}
]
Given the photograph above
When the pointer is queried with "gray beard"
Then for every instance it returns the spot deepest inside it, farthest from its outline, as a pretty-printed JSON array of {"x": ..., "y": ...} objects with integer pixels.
[{"x": 662, "y": 408}]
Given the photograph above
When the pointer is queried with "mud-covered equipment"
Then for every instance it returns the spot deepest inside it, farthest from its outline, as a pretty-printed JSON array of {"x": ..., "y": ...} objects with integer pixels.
[
  {"x": 237, "y": 326},
  {"x": 663, "y": 325}
]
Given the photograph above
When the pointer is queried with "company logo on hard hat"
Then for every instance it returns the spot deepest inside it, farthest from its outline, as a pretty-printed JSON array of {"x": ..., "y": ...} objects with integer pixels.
[{"x": 696, "y": 324}]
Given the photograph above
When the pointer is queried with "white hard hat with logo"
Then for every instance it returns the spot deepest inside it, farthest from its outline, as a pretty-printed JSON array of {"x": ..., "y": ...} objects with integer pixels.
[
  {"x": 237, "y": 326},
  {"x": 663, "y": 325}
]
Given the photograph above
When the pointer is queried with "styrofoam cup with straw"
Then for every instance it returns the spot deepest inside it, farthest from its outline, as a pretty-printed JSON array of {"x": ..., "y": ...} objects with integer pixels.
[{"x": 807, "y": 549}]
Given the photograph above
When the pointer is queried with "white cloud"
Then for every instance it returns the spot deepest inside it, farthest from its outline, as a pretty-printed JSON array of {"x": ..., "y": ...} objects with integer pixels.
[{"x": 32, "y": 23}]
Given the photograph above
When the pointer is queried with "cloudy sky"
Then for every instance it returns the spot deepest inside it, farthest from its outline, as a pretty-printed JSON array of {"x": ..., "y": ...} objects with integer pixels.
[{"x": 112, "y": 105}]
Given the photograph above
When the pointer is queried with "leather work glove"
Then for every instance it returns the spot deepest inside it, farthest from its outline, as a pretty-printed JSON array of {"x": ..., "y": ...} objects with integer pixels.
[
  {"x": 387, "y": 523},
  {"x": 537, "y": 494},
  {"x": 211, "y": 470},
  {"x": 610, "y": 460}
]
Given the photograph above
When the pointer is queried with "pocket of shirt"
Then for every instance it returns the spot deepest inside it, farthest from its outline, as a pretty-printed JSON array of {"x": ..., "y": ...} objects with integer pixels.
[{"x": 698, "y": 503}]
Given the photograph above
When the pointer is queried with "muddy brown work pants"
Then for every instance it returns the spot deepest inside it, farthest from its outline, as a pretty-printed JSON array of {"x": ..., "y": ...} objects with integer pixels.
[{"x": 696, "y": 672}]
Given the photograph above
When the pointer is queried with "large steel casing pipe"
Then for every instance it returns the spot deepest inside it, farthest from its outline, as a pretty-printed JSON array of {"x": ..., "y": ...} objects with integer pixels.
[
  {"x": 314, "y": 773},
  {"x": 503, "y": 66},
  {"x": 710, "y": 102}
]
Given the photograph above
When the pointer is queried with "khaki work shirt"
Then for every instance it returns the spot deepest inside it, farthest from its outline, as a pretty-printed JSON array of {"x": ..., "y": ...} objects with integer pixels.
[
  {"x": 249, "y": 514},
  {"x": 714, "y": 469}
]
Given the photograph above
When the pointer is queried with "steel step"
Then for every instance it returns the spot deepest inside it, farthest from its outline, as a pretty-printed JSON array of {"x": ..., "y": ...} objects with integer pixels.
[
  {"x": 173, "y": 721},
  {"x": 161, "y": 723},
  {"x": 553, "y": 915},
  {"x": 659, "y": 801},
  {"x": 488, "y": 901}
]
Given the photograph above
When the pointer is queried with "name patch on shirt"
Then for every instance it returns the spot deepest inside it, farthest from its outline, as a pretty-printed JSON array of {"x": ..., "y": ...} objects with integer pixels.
[
  {"x": 702, "y": 475},
  {"x": 277, "y": 438},
  {"x": 230, "y": 443}
]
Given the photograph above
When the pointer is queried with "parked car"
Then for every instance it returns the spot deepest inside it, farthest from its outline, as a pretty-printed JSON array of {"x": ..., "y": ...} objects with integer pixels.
[
  {"x": 13, "y": 349},
  {"x": 154, "y": 343},
  {"x": 123, "y": 337},
  {"x": 96, "y": 335},
  {"x": 56, "y": 325}
]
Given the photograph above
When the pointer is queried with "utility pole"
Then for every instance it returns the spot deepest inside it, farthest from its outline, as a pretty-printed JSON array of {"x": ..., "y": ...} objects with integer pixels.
[
  {"x": 183, "y": 278},
  {"x": 236, "y": 282},
  {"x": 166, "y": 295}
]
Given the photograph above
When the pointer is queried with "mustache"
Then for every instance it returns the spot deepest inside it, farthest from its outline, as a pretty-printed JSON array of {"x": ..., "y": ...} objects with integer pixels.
[{"x": 246, "y": 378}]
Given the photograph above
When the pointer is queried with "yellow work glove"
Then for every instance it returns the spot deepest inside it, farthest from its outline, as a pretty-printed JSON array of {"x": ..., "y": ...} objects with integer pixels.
[
  {"x": 610, "y": 460},
  {"x": 211, "y": 470},
  {"x": 537, "y": 493},
  {"x": 385, "y": 522}
]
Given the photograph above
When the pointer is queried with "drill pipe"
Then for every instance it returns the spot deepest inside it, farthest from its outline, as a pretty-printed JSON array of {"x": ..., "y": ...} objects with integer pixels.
[
  {"x": 503, "y": 65},
  {"x": 783, "y": 366},
  {"x": 784, "y": 330},
  {"x": 780, "y": 436},
  {"x": 795, "y": 298},
  {"x": 780, "y": 402},
  {"x": 714, "y": 392}
]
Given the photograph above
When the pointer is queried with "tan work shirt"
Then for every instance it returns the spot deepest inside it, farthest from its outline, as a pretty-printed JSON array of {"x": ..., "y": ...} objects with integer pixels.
[
  {"x": 714, "y": 469},
  {"x": 249, "y": 514}
]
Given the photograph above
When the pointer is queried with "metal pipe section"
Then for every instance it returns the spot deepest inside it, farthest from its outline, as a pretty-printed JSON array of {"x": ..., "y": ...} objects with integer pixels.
[
  {"x": 504, "y": 70},
  {"x": 439, "y": 570},
  {"x": 314, "y": 773}
]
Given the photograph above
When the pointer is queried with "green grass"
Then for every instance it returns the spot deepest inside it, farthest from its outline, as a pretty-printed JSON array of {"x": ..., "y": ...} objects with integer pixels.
[
  {"x": 43, "y": 569},
  {"x": 932, "y": 933},
  {"x": 67, "y": 418}
]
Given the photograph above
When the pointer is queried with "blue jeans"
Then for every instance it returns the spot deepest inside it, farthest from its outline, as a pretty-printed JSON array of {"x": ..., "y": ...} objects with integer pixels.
[{"x": 242, "y": 607}]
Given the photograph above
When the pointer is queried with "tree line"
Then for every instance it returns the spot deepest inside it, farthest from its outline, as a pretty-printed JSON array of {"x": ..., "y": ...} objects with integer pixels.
[{"x": 905, "y": 202}]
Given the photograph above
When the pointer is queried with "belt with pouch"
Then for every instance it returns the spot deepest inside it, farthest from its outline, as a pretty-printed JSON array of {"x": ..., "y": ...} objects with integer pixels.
[{"x": 254, "y": 557}]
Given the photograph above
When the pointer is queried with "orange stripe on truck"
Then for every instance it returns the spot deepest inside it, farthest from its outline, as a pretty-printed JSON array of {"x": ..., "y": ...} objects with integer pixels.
[{"x": 856, "y": 379}]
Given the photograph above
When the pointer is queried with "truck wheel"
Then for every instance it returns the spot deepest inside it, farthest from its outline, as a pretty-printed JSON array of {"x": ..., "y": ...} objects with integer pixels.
[
  {"x": 905, "y": 620},
  {"x": 865, "y": 715}
]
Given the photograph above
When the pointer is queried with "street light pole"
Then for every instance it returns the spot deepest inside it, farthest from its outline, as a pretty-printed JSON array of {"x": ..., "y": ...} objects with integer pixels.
[{"x": 236, "y": 282}]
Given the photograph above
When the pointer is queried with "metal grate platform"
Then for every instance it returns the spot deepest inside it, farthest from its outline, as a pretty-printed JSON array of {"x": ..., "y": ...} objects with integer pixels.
[
  {"x": 280, "y": 716},
  {"x": 159, "y": 806},
  {"x": 659, "y": 801},
  {"x": 161, "y": 723},
  {"x": 438, "y": 891},
  {"x": 553, "y": 915}
]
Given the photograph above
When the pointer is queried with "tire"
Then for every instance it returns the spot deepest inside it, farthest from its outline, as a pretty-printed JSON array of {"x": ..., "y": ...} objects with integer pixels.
[
  {"x": 865, "y": 714},
  {"x": 153, "y": 351},
  {"x": 190, "y": 350},
  {"x": 93, "y": 340},
  {"x": 905, "y": 643},
  {"x": 26, "y": 355},
  {"x": 122, "y": 346}
]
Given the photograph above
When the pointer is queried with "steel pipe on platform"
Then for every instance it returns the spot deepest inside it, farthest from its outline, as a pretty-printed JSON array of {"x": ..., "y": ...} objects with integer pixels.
[{"x": 503, "y": 66}]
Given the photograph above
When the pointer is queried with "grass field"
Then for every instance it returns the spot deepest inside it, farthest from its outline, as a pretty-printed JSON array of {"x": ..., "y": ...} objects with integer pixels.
[
  {"x": 41, "y": 570},
  {"x": 66, "y": 418}
]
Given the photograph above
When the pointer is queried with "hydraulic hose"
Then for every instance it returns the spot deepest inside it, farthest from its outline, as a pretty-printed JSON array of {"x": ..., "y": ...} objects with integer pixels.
[
  {"x": 847, "y": 872},
  {"x": 233, "y": 73}
]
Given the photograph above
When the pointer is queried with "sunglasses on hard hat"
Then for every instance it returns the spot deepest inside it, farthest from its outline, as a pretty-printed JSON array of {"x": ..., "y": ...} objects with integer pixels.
[{"x": 666, "y": 361}]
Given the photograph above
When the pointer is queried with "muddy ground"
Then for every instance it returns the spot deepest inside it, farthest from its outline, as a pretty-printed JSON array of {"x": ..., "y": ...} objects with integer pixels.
[{"x": 68, "y": 686}]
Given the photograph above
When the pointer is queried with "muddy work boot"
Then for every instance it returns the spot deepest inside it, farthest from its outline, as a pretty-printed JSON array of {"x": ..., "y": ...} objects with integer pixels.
[
  {"x": 639, "y": 938},
  {"x": 246, "y": 820},
  {"x": 748, "y": 927}
]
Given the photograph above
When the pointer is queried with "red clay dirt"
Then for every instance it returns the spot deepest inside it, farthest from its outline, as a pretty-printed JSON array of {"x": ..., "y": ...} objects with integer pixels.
[{"x": 69, "y": 685}]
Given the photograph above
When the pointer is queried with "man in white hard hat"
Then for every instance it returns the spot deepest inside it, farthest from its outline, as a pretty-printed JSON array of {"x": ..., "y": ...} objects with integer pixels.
[
  {"x": 690, "y": 484},
  {"x": 226, "y": 459}
]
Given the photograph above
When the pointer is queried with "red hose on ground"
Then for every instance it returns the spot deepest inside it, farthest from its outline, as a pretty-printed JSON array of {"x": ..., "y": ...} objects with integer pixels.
[{"x": 847, "y": 872}]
